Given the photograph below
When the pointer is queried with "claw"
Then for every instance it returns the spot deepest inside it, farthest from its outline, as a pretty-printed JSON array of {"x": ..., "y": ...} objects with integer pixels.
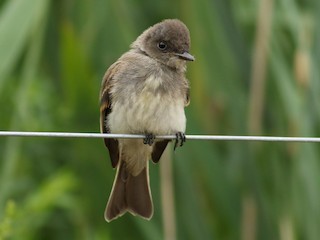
[
  {"x": 180, "y": 136},
  {"x": 176, "y": 142},
  {"x": 149, "y": 139}
]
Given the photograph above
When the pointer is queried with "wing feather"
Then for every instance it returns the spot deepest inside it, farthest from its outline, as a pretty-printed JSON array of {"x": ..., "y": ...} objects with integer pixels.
[{"x": 105, "y": 110}]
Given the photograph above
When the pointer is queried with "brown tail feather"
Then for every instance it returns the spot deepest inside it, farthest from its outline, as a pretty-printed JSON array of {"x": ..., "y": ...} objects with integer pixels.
[{"x": 130, "y": 193}]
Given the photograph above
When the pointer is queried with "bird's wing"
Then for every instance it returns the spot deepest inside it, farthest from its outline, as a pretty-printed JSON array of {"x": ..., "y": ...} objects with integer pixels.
[
  {"x": 187, "y": 99},
  {"x": 158, "y": 149},
  {"x": 105, "y": 110}
]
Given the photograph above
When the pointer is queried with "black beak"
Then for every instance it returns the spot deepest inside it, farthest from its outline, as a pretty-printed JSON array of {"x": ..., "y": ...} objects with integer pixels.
[{"x": 185, "y": 56}]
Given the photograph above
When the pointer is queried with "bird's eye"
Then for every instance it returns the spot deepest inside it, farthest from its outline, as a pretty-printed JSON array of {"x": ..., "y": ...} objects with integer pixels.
[{"x": 162, "y": 46}]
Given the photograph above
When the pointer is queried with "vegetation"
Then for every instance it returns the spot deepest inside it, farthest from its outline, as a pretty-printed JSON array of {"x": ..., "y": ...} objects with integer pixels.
[{"x": 256, "y": 72}]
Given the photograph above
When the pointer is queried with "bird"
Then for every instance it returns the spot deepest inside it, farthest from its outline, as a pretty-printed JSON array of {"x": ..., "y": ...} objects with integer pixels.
[{"x": 144, "y": 92}]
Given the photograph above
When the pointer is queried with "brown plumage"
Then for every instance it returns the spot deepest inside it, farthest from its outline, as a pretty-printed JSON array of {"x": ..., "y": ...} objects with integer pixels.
[{"x": 144, "y": 92}]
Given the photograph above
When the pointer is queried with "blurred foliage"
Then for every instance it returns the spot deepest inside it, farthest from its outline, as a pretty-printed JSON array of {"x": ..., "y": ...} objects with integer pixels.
[{"x": 53, "y": 55}]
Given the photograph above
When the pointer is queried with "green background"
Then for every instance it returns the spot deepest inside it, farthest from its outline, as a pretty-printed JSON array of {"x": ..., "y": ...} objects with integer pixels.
[{"x": 256, "y": 73}]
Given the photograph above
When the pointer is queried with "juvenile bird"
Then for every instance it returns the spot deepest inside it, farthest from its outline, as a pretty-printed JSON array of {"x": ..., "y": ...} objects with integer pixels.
[{"x": 144, "y": 92}]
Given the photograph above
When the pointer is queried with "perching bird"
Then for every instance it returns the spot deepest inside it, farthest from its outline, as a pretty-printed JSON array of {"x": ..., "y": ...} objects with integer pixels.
[{"x": 144, "y": 92}]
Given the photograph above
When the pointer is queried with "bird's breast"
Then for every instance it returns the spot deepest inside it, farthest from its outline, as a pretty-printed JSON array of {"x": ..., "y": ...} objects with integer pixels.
[{"x": 152, "y": 109}]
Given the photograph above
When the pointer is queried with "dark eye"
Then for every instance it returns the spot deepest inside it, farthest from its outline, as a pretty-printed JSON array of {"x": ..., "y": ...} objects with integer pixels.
[{"x": 162, "y": 46}]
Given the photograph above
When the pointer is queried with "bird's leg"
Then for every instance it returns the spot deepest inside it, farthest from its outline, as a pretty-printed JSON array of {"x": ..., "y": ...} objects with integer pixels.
[
  {"x": 149, "y": 139},
  {"x": 180, "y": 136}
]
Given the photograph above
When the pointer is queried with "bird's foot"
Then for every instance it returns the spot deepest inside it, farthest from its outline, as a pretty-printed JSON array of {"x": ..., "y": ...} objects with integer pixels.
[
  {"x": 149, "y": 139},
  {"x": 180, "y": 137}
]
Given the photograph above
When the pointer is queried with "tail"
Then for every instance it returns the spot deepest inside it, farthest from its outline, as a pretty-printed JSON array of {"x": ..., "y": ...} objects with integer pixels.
[{"x": 129, "y": 193}]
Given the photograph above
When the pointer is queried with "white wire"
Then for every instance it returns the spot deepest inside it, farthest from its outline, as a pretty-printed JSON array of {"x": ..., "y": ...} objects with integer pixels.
[{"x": 136, "y": 136}]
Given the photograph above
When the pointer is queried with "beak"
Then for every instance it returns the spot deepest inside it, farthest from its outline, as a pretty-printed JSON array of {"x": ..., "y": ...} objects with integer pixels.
[{"x": 185, "y": 56}]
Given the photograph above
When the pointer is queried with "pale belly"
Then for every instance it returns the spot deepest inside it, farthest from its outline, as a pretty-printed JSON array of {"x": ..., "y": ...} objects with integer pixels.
[
  {"x": 143, "y": 114},
  {"x": 147, "y": 113}
]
